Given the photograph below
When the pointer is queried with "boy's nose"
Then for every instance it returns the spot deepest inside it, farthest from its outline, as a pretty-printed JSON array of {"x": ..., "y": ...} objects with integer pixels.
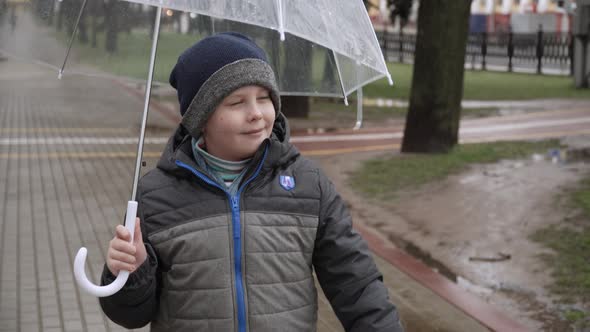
[{"x": 255, "y": 112}]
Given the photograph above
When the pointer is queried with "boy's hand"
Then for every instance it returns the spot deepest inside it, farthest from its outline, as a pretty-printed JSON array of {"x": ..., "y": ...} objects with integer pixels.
[{"x": 123, "y": 255}]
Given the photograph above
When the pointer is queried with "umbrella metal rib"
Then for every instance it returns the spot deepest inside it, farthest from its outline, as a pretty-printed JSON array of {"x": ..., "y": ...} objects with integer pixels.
[
  {"x": 72, "y": 39},
  {"x": 146, "y": 105},
  {"x": 340, "y": 78}
]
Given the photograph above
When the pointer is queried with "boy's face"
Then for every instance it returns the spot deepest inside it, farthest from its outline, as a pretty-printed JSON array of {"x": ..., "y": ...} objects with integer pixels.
[{"x": 240, "y": 123}]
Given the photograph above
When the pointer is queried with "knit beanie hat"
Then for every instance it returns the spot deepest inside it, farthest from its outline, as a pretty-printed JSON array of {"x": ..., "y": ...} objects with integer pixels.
[{"x": 212, "y": 69}]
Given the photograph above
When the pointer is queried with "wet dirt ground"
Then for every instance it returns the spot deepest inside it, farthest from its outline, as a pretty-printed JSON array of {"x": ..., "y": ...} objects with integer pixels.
[{"x": 474, "y": 228}]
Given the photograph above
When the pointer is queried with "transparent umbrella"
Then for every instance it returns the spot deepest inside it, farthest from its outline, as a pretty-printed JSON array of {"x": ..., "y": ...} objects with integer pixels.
[
  {"x": 317, "y": 48},
  {"x": 336, "y": 36}
]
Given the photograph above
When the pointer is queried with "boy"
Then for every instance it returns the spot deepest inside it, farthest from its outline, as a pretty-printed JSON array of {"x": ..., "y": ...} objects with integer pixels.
[{"x": 233, "y": 221}]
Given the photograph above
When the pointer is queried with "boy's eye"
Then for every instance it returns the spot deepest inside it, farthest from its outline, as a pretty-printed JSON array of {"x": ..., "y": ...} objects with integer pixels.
[
  {"x": 235, "y": 102},
  {"x": 263, "y": 97}
]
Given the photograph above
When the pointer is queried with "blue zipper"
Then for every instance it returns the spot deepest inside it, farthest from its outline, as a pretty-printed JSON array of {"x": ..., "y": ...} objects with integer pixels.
[
  {"x": 238, "y": 262},
  {"x": 237, "y": 234}
]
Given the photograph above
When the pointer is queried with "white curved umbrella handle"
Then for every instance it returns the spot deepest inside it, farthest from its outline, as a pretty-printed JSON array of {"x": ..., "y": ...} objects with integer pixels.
[{"x": 80, "y": 262}]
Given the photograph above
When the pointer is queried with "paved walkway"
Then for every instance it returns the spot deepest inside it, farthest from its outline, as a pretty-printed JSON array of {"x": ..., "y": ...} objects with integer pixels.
[{"x": 59, "y": 195}]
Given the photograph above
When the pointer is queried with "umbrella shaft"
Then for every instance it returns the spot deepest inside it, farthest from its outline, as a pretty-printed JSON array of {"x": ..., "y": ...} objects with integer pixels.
[{"x": 146, "y": 104}]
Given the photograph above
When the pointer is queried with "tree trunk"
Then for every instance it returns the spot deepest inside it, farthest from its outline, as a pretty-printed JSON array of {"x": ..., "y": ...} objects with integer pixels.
[
  {"x": 295, "y": 106},
  {"x": 70, "y": 14},
  {"x": 126, "y": 13},
  {"x": 94, "y": 13},
  {"x": 51, "y": 12},
  {"x": 82, "y": 30},
  {"x": 432, "y": 123},
  {"x": 46, "y": 10},
  {"x": 294, "y": 50},
  {"x": 60, "y": 15},
  {"x": 112, "y": 25},
  {"x": 330, "y": 79}
]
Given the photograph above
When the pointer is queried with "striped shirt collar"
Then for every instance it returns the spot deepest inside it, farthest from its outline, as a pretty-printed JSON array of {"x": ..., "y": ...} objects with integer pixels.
[{"x": 227, "y": 171}]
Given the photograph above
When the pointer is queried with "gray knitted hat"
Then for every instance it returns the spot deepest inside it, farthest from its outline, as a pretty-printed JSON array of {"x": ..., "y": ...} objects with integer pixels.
[{"x": 213, "y": 68}]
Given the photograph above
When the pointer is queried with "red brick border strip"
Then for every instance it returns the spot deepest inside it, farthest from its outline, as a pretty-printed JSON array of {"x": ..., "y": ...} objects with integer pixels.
[{"x": 484, "y": 313}]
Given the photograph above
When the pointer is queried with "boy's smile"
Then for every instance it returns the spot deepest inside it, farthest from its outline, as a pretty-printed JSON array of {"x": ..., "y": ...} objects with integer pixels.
[
  {"x": 240, "y": 123},
  {"x": 254, "y": 132}
]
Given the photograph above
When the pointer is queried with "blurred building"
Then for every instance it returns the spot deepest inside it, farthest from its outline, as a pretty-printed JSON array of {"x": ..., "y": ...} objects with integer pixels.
[{"x": 523, "y": 16}]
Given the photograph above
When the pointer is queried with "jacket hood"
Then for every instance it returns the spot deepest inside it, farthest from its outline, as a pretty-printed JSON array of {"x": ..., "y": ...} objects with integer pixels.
[{"x": 280, "y": 151}]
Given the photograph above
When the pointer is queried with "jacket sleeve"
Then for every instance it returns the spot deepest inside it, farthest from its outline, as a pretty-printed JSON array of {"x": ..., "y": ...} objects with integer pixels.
[
  {"x": 136, "y": 304},
  {"x": 346, "y": 270}
]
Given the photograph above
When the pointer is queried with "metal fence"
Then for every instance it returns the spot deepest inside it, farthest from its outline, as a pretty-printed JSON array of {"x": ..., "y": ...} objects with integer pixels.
[{"x": 540, "y": 52}]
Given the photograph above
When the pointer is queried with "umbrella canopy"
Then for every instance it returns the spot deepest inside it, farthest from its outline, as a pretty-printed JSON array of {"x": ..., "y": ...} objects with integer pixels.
[
  {"x": 329, "y": 48},
  {"x": 338, "y": 31}
]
